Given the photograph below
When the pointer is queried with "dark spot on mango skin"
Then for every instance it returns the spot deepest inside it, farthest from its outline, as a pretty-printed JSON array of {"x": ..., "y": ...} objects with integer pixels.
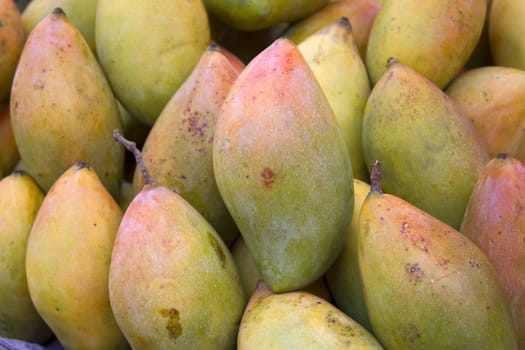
[
  {"x": 333, "y": 322},
  {"x": 268, "y": 177},
  {"x": 216, "y": 246},
  {"x": 413, "y": 333},
  {"x": 473, "y": 264},
  {"x": 415, "y": 272},
  {"x": 173, "y": 322}
]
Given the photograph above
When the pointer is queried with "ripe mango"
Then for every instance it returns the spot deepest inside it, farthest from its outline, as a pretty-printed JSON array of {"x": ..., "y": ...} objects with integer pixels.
[
  {"x": 178, "y": 149},
  {"x": 495, "y": 221},
  {"x": 12, "y": 37},
  {"x": 334, "y": 59},
  {"x": 434, "y": 37},
  {"x": 492, "y": 99},
  {"x": 281, "y": 164},
  {"x": 299, "y": 320},
  {"x": 9, "y": 155},
  {"x": 506, "y": 28},
  {"x": 62, "y": 107},
  {"x": 360, "y": 14},
  {"x": 431, "y": 153},
  {"x": 344, "y": 276},
  {"x": 173, "y": 283},
  {"x": 20, "y": 200},
  {"x": 426, "y": 285},
  {"x": 80, "y": 12},
  {"x": 68, "y": 260}
]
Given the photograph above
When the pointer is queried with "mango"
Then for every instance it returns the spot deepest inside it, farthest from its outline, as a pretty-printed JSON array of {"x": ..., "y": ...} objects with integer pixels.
[
  {"x": 332, "y": 55},
  {"x": 172, "y": 282},
  {"x": 20, "y": 200},
  {"x": 9, "y": 154},
  {"x": 298, "y": 320},
  {"x": 495, "y": 221},
  {"x": 434, "y": 37},
  {"x": 431, "y": 153},
  {"x": 344, "y": 277},
  {"x": 281, "y": 163},
  {"x": 62, "y": 107},
  {"x": 426, "y": 285},
  {"x": 148, "y": 48},
  {"x": 12, "y": 37},
  {"x": 178, "y": 149},
  {"x": 506, "y": 28},
  {"x": 68, "y": 257},
  {"x": 253, "y": 15},
  {"x": 81, "y": 13},
  {"x": 491, "y": 98},
  {"x": 360, "y": 14}
]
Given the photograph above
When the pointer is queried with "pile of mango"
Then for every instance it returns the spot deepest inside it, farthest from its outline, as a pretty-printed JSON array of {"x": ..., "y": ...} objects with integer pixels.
[{"x": 302, "y": 174}]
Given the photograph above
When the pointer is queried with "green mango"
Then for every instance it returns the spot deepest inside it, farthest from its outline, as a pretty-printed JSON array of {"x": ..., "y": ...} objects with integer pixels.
[
  {"x": 434, "y": 37},
  {"x": 62, "y": 107},
  {"x": 432, "y": 154},
  {"x": 259, "y": 14},
  {"x": 81, "y": 13},
  {"x": 148, "y": 48},
  {"x": 281, "y": 164},
  {"x": 426, "y": 285}
]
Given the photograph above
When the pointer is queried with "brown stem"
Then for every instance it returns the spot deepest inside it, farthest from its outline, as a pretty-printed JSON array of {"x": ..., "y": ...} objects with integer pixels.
[
  {"x": 132, "y": 147},
  {"x": 375, "y": 184}
]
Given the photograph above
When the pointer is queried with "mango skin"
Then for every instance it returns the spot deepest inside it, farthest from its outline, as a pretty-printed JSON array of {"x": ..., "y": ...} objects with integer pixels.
[
  {"x": 9, "y": 155},
  {"x": 281, "y": 163},
  {"x": 431, "y": 154},
  {"x": 492, "y": 99},
  {"x": 62, "y": 107},
  {"x": 360, "y": 14},
  {"x": 434, "y": 37},
  {"x": 68, "y": 260},
  {"x": 80, "y": 12},
  {"x": 495, "y": 221},
  {"x": 506, "y": 28},
  {"x": 250, "y": 276},
  {"x": 12, "y": 37},
  {"x": 178, "y": 149},
  {"x": 20, "y": 200},
  {"x": 173, "y": 283},
  {"x": 332, "y": 55},
  {"x": 344, "y": 277},
  {"x": 259, "y": 14},
  {"x": 148, "y": 48},
  {"x": 299, "y": 320},
  {"x": 426, "y": 285}
]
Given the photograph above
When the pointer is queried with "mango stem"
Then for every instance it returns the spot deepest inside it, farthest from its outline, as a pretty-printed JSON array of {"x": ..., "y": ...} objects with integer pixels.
[
  {"x": 132, "y": 147},
  {"x": 375, "y": 184}
]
